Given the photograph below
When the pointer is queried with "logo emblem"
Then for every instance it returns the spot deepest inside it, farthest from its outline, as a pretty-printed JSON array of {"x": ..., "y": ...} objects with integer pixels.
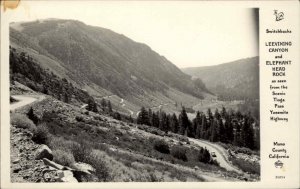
[
  {"x": 278, "y": 164},
  {"x": 279, "y": 15}
]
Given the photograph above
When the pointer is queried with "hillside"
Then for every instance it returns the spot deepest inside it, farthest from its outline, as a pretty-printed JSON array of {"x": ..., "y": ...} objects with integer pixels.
[
  {"x": 56, "y": 139},
  {"x": 236, "y": 80},
  {"x": 103, "y": 62}
]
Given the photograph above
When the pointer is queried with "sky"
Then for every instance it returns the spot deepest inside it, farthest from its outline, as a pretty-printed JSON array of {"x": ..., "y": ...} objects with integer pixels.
[{"x": 189, "y": 34}]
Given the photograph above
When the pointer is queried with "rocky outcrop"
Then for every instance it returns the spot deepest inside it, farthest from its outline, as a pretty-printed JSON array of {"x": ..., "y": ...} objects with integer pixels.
[{"x": 24, "y": 166}]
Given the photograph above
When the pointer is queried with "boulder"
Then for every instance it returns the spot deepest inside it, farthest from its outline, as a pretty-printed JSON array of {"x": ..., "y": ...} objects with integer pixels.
[
  {"x": 65, "y": 176},
  {"x": 52, "y": 164},
  {"x": 83, "y": 172},
  {"x": 17, "y": 160},
  {"x": 83, "y": 167},
  {"x": 43, "y": 152}
]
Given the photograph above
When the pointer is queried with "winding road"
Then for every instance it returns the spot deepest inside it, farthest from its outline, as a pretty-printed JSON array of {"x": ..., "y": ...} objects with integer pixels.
[
  {"x": 221, "y": 154},
  {"x": 23, "y": 100}
]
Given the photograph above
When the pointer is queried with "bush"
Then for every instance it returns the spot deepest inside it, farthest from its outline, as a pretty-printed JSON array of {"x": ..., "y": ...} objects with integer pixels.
[
  {"x": 246, "y": 166},
  {"x": 79, "y": 118},
  {"x": 179, "y": 152},
  {"x": 204, "y": 156},
  {"x": 81, "y": 151},
  {"x": 41, "y": 134},
  {"x": 31, "y": 115},
  {"x": 63, "y": 157},
  {"x": 102, "y": 171},
  {"x": 161, "y": 146},
  {"x": 22, "y": 121},
  {"x": 60, "y": 143}
]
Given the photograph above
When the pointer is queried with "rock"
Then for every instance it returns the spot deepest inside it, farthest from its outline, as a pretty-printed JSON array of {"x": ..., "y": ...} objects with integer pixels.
[
  {"x": 17, "y": 169},
  {"x": 47, "y": 177},
  {"x": 43, "y": 152},
  {"x": 66, "y": 176},
  {"x": 52, "y": 164},
  {"x": 16, "y": 161},
  {"x": 25, "y": 176},
  {"x": 83, "y": 167},
  {"x": 196, "y": 168}
]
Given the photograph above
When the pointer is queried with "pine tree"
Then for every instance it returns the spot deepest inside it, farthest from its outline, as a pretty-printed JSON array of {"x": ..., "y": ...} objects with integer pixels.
[
  {"x": 143, "y": 117},
  {"x": 204, "y": 128},
  {"x": 130, "y": 119},
  {"x": 197, "y": 125},
  {"x": 163, "y": 121},
  {"x": 247, "y": 134},
  {"x": 66, "y": 97},
  {"x": 209, "y": 114},
  {"x": 92, "y": 106},
  {"x": 214, "y": 137},
  {"x": 150, "y": 116},
  {"x": 183, "y": 121},
  {"x": 155, "y": 120},
  {"x": 223, "y": 112},
  {"x": 174, "y": 125},
  {"x": 217, "y": 114},
  {"x": 109, "y": 107},
  {"x": 103, "y": 104}
]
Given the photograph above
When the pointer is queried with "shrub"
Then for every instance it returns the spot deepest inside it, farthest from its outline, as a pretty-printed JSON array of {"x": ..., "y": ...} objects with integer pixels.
[
  {"x": 246, "y": 166},
  {"x": 31, "y": 115},
  {"x": 81, "y": 151},
  {"x": 179, "y": 152},
  {"x": 161, "y": 146},
  {"x": 41, "y": 134},
  {"x": 60, "y": 143},
  {"x": 102, "y": 171},
  {"x": 22, "y": 121},
  {"x": 79, "y": 118},
  {"x": 204, "y": 156},
  {"x": 63, "y": 157}
]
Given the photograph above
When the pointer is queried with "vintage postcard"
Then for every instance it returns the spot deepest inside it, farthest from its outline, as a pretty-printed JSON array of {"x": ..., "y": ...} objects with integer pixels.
[{"x": 149, "y": 94}]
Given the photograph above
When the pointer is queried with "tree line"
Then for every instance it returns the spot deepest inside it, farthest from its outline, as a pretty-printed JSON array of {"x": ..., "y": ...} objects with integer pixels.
[{"x": 231, "y": 127}]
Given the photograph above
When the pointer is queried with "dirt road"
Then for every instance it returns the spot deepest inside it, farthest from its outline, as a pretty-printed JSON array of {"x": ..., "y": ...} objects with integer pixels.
[
  {"x": 22, "y": 100},
  {"x": 221, "y": 155}
]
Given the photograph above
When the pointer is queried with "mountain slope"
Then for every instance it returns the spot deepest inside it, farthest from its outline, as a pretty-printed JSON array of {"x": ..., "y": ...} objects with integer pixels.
[
  {"x": 230, "y": 81},
  {"x": 101, "y": 61}
]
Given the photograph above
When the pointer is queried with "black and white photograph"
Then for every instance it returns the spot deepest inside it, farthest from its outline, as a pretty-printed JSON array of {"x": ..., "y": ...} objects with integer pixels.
[{"x": 128, "y": 91}]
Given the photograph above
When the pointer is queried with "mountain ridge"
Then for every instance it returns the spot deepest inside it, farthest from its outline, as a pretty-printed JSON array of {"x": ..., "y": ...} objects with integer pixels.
[
  {"x": 238, "y": 79},
  {"x": 102, "y": 61}
]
